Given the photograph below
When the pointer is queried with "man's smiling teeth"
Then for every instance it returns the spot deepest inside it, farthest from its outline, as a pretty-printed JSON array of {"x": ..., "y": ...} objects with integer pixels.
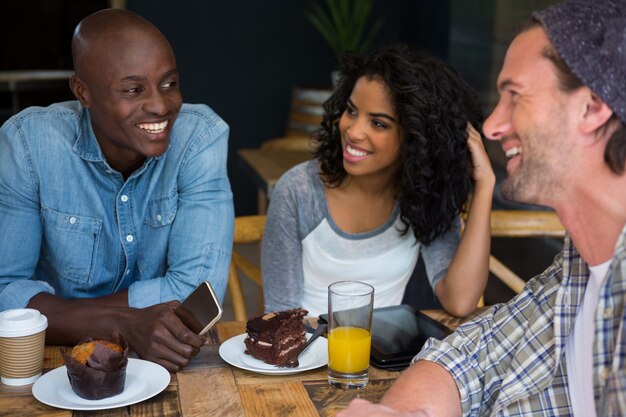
[
  {"x": 510, "y": 153},
  {"x": 153, "y": 127},
  {"x": 355, "y": 152}
]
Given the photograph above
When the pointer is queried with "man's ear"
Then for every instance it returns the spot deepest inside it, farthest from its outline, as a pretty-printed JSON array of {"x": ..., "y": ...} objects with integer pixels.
[
  {"x": 80, "y": 91},
  {"x": 596, "y": 114}
]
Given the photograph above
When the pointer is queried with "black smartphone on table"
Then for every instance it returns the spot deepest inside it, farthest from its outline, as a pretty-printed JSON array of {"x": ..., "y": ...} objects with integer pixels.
[
  {"x": 200, "y": 310},
  {"x": 398, "y": 334}
]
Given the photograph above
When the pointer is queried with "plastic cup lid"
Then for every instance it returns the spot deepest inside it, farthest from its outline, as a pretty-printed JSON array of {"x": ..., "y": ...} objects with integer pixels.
[{"x": 21, "y": 322}]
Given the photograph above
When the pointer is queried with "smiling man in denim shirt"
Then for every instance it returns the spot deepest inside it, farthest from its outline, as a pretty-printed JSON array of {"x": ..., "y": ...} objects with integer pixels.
[{"x": 113, "y": 208}]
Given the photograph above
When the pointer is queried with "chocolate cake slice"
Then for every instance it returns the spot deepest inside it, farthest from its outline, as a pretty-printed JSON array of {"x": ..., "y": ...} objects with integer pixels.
[{"x": 276, "y": 338}]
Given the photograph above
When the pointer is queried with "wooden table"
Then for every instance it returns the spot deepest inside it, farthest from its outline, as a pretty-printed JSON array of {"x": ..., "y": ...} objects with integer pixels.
[
  {"x": 211, "y": 387},
  {"x": 265, "y": 167}
]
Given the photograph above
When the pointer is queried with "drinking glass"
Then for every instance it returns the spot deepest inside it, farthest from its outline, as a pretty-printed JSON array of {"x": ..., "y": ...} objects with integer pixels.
[{"x": 350, "y": 308}]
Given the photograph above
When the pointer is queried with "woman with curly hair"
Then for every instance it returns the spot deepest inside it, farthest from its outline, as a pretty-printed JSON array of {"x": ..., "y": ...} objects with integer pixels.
[{"x": 393, "y": 169}]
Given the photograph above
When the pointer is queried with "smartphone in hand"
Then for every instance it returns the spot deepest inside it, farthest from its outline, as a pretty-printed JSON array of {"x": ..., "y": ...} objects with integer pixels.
[{"x": 200, "y": 310}]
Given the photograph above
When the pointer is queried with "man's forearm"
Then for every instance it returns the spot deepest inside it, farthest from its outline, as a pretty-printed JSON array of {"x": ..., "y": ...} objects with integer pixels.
[
  {"x": 71, "y": 320},
  {"x": 425, "y": 386}
]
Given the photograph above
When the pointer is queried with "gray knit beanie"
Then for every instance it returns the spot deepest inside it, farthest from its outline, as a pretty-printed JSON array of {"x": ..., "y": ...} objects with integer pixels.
[{"x": 590, "y": 36}]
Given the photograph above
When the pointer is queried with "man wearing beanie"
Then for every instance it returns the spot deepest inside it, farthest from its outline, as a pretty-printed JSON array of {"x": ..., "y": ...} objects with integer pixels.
[{"x": 559, "y": 347}]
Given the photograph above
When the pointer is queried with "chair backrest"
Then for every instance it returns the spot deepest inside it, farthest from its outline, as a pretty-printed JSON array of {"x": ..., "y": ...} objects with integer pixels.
[
  {"x": 504, "y": 223},
  {"x": 288, "y": 143},
  {"x": 306, "y": 110},
  {"x": 520, "y": 223},
  {"x": 248, "y": 229}
]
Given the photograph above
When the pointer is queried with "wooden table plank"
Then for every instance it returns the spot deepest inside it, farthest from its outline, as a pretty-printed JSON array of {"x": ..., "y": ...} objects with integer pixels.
[
  {"x": 7, "y": 391},
  {"x": 282, "y": 399},
  {"x": 378, "y": 373},
  {"x": 165, "y": 404},
  {"x": 114, "y": 412},
  {"x": 252, "y": 378},
  {"x": 52, "y": 357},
  {"x": 329, "y": 402},
  {"x": 209, "y": 392},
  {"x": 230, "y": 329},
  {"x": 208, "y": 357},
  {"x": 27, "y": 405}
]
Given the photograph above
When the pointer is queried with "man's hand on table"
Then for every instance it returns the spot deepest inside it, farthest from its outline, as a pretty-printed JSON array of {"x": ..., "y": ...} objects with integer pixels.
[
  {"x": 359, "y": 407},
  {"x": 157, "y": 334}
]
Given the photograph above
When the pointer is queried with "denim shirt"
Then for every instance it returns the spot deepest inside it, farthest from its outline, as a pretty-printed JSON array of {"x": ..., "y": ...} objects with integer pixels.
[{"x": 71, "y": 225}]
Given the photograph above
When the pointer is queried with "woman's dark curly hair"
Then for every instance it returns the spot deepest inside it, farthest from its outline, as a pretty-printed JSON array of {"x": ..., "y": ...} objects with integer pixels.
[{"x": 433, "y": 105}]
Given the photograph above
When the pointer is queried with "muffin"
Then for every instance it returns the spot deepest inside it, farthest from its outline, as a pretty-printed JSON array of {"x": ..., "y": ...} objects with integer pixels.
[{"x": 97, "y": 368}]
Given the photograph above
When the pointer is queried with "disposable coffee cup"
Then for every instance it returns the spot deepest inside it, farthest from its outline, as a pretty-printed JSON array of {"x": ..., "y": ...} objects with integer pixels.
[{"x": 22, "y": 341}]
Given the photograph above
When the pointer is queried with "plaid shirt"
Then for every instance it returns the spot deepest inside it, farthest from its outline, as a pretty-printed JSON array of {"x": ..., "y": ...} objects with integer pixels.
[{"x": 510, "y": 361}]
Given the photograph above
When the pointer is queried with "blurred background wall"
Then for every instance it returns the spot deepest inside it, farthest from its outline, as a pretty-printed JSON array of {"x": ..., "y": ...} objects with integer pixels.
[{"x": 243, "y": 58}]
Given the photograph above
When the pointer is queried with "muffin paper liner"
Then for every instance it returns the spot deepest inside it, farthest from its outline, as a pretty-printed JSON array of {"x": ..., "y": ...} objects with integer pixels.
[{"x": 103, "y": 376}]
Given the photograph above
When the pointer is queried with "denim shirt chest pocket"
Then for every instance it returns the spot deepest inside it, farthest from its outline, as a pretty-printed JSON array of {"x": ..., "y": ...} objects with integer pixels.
[
  {"x": 158, "y": 220},
  {"x": 161, "y": 211},
  {"x": 70, "y": 244}
]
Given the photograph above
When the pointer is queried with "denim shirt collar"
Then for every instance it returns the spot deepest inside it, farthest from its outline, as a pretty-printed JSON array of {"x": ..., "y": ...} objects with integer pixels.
[{"x": 88, "y": 147}]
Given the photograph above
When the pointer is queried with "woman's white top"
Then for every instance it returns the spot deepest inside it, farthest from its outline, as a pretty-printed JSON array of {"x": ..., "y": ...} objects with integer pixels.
[{"x": 304, "y": 251}]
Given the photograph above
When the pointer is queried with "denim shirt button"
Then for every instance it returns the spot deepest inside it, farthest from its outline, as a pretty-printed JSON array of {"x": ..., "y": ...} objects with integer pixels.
[
  {"x": 159, "y": 217},
  {"x": 124, "y": 198},
  {"x": 129, "y": 238},
  {"x": 72, "y": 220}
]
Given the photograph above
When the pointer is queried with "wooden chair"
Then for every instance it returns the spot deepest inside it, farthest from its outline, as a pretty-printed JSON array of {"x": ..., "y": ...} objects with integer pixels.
[
  {"x": 504, "y": 223},
  {"x": 520, "y": 223},
  {"x": 288, "y": 143},
  {"x": 248, "y": 229},
  {"x": 306, "y": 110}
]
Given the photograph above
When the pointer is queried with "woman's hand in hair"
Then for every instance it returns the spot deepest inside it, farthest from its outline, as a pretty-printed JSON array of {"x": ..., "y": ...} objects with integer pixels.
[{"x": 482, "y": 172}]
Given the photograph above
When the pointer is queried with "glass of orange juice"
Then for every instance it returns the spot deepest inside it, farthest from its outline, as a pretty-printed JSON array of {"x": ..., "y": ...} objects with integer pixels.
[{"x": 350, "y": 307}]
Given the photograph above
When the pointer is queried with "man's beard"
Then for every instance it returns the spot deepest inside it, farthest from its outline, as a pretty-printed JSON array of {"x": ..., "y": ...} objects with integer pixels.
[
  {"x": 516, "y": 189},
  {"x": 531, "y": 183}
]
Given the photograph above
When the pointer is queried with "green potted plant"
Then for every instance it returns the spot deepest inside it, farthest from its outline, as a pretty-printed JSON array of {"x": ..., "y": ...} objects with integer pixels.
[{"x": 343, "y": 24}]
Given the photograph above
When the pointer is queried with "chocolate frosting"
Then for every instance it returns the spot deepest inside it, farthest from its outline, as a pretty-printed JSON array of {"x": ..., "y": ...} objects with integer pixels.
[{"x": 265, "y": 326}]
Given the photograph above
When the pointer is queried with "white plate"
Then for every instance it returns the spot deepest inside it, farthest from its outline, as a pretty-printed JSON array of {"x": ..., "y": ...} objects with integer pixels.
[
  {"x": 144, "y": 379},
  {"x": 232, "y": 351}
]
